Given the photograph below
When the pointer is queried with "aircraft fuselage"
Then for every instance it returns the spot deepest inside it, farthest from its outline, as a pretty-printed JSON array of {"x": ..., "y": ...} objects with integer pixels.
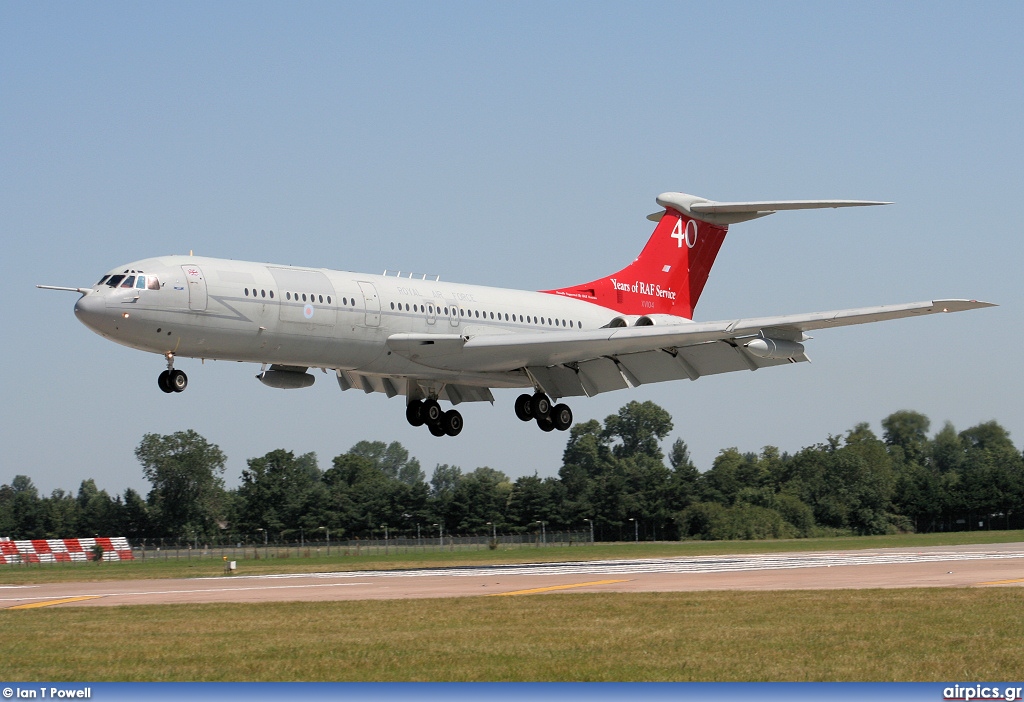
[{"x": 318, "y": 318}]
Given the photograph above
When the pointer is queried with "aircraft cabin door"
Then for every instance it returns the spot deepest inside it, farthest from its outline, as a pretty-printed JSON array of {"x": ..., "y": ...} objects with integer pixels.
[
  {"x": 196, "y": 283},
  {"x": 372, "y": 303}
]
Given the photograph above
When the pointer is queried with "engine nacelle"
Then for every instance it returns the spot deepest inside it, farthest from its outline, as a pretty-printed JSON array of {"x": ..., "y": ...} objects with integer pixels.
[
  {"x": 646, "y": 320},
  {"x": 661, "y": 320},
  {"x": 286, "y": 380},
  {"x": 763, "y": 347},
  {"x": 625, "y": 320}
]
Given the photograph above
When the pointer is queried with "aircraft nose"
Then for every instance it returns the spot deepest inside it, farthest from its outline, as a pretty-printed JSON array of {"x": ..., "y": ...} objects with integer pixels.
[{"x": 90, "y": 310}]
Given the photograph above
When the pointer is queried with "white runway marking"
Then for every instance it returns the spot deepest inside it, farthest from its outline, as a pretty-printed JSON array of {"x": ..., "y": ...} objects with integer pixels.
[
  {"x": 678, "y": 566},
  {"x": 704, "y": 564}
]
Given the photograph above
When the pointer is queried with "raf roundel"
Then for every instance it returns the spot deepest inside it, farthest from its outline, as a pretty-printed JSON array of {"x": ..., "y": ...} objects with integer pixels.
[{"x": 307, "y": 311}]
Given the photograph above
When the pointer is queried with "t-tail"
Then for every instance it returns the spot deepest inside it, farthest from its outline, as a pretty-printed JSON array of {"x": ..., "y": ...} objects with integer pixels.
[{"x": 669, "y": 275}]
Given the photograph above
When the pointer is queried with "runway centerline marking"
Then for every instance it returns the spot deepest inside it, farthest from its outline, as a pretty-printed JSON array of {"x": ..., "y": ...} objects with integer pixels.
[
  {"x": 48, "y": 603},
  {"x": 551, "y": 588}
]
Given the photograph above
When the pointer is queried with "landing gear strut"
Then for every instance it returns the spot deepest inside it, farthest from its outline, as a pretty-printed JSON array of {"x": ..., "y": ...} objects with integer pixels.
[
  {"x": 172, "y": 380},
  {"x": 429, "y": 412},
  {"x": 538, "y": 407}
]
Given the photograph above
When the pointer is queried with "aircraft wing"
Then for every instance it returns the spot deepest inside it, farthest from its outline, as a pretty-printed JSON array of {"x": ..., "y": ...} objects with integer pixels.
[{"x": 576, "y": 363}]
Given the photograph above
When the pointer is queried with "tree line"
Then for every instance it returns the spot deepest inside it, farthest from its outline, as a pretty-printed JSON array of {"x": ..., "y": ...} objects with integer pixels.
[{"x": 614, "y": 479}]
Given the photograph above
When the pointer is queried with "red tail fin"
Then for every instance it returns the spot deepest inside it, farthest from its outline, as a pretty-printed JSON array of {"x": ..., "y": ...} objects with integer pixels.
[{"x": 667, "y": 277}]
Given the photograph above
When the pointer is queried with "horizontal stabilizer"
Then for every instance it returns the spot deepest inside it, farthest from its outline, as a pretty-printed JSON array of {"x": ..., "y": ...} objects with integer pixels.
[{"x": 733, "y": 212}]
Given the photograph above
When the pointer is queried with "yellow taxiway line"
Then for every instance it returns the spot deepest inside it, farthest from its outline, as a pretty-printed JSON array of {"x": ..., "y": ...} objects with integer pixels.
[
  {"x": 1004, "y": 582},
  {"x": 47, "y": 603},
  {"x": 555, "y": 587}
]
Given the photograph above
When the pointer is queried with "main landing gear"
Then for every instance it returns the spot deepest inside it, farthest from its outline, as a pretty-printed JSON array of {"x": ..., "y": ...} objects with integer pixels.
[
  {"x": 172, "y": 380},
  {"x": 429, "y": 412},
  {"x": 538, "y": 407}
]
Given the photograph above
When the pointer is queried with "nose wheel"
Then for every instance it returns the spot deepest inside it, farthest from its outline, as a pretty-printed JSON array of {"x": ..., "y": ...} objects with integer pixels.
[
  {"x": 538, "y": 407},
  {"x": 438, "y": 422},
  {"x": 172, "y": 380}
]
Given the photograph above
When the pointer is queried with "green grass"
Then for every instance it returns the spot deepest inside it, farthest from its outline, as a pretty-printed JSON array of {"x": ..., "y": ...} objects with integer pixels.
[
  {"x": 919, "y": 634},
  {"x": 153, "y": 568}
]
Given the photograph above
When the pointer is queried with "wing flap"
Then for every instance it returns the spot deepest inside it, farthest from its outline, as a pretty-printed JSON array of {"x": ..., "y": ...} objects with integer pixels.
[{"x": 558, "y": 381}]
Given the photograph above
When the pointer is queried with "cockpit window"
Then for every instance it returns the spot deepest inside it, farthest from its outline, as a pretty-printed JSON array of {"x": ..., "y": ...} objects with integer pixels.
[
  {"x": 114, "y": 280},
  {"x": 152, "y": 282},
  {"x": 128, "y": 282},
  {"x": 140, "y": 283},
  {"x": 102, "y": 280}
]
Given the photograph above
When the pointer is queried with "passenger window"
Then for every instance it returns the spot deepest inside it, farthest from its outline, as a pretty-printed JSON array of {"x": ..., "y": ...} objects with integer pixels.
[
  {"x": 320, "y": 297},
  {"x": 271, "y": 294},
  {"x": 263, "y": 293}
]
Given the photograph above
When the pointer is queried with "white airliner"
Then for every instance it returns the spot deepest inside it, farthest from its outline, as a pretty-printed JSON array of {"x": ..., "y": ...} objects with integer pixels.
[{"x": 434, "y": 341}]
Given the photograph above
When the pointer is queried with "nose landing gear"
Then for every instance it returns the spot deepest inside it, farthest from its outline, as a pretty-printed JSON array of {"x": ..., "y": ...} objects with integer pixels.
[
  {"x": 172, "y": 380},
  {"x": 538, "y": 407}
]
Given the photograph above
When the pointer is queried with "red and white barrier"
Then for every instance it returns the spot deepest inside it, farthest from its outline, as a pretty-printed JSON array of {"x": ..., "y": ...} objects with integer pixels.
[{"x": 115, "y": 548}]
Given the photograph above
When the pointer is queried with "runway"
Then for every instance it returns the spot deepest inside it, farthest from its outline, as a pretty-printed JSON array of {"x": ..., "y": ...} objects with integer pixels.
[{"x": 993, "y": 565}]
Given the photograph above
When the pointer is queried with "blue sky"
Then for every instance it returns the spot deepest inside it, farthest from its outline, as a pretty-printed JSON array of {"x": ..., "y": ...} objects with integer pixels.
[{"x": 517, "y": 145}]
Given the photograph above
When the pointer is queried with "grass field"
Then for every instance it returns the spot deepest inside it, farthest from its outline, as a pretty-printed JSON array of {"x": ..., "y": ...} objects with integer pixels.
[
  {"x": 158, "y": 568},
  {"x": 923, "y": 634},
  {"x": 913, "y": 634}
]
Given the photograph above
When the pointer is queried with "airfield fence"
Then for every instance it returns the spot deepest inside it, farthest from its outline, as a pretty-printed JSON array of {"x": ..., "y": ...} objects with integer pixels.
[{"x": 168, "y": 549}]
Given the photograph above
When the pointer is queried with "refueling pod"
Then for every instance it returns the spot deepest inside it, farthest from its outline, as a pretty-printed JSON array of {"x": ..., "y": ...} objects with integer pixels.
[
  {"x": 286, "y": 378},
  {"x": 766, "y": 347}
]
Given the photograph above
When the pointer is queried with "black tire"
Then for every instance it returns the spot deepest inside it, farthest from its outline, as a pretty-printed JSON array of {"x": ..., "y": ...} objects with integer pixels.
[
  {"x": 177, "y": 380},
  {"x": 561, "y": 415},
  {"x": 164, "y": 383},
  {"x": 523, "y": 410},
  {"x": 436, "y": 429},
  {"x": 432, "y": 412},
  {"x": 452, "y": 422},
  {"x": 540, "y": 405},
  {"x": 545, "y": 424},
  {"x": 414, "y": 413}
]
